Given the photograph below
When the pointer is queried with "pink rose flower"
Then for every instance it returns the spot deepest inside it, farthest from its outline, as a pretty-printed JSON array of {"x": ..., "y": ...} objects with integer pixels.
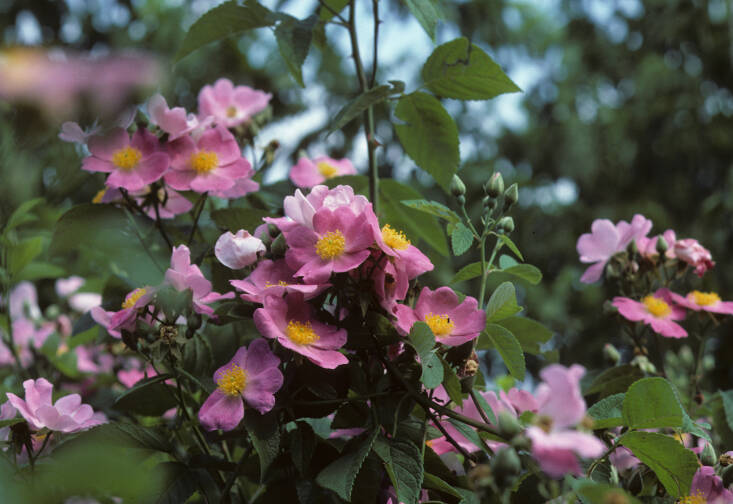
[
  {"x": 274, "y": 278},
  {"x": 24, "y": 301},
  {"x": 291, "y": 322},
  {"x": 453, "y": 322},
  {"x": 708, "y": 487},
  {"x": 241, "y": 187},
  {"x": 253, "y": 374},
  {"x": 68, "y": 414},
  {"x": 132, "y": 306},
  {"x": 231, "y": 106},
  {"x": 338, "y": 242},
  {"x": 607, "y": 239},
  {"x": 67, "y": 286},
  {"x": 183, "y": 275},
  {"x": 213, "y": 162},
  {"x": 623, "y": 459},
  {"x": 174, "y": 121},
  {"x": 554, "y": 446},
  {"x": 131, "y": 163},
  {"x": 657, "y": 310},
  {"x": 238, "y": 251},
  {"x": 309, "y": 173},
  {"x": 694, "y": 254},
  {"x": 703, "y": 301},
  {"x": 647, "y": 246},
  {"x": 95, "y": 360}
]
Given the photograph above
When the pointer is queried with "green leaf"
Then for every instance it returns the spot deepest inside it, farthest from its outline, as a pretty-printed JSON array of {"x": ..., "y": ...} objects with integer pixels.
[
  {"x": 427, "y": 13},
  {"x": 404, "y": 465},
  {"x": 651, "y": 403},
  {"x": 149, "y": 397},
  {"x": 606, "y": 413},
  {"x": 486, "y": 407},
  {"x": 508, "y": 347},
  {"x": 235, "y": 219},
  {"x": 451, "y": 383},
  {"x": 433, "y": 482},
  {"x": 429, "y": 136},
  {"x": 423, "y": 341},
  {"x": 509, "y": 243},
  {"x": 335, "y": 5},
  {"x": 591, "y": 492},
  {"x": 468, "y": 272},
  {"x": 265, "y": 435},
  {"x": 37, "y": 270},
  {"x": 614, "y": 380},
  {"x": 179, "y": 483},
  {"x": 526, "y": 272},
  {"x": 142, "y": 437},
  {"x": 468, "y": 432},
  {"x": 21, "y": 254},
  {"x": 294, "y": 40},
  {"x": 673, "y": 464},
  {"x": 530, "y": 333},
  {"x": 362, "y": 102},
  {"x": 433, "y": 208},
  {"x": 227, "y": 19},
  {"x": 461, "y": 239},
  {"x": 413, "y": 222},
  {"x": 502, "y": 303},
  {"x": 461, "y": 70},
  {"x": 22, "y": 215},
  {"x": 340, "y": 474},
  {"x": 727, "y": 401}
]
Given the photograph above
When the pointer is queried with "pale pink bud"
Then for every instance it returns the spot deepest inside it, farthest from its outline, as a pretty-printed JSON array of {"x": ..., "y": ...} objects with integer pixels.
[{"x": 236, "y": 251}]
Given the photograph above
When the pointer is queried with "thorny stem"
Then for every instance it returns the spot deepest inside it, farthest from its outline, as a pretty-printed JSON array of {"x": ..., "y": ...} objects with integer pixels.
[{"x": 369, "y": 114}]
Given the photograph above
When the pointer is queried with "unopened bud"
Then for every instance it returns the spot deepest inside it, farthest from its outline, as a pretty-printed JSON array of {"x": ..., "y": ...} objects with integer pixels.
[
  {"x": 457, "y": 187},
  {"x": 495, "y": 186},
  {"x": 632, "y": 248},
  {"x": 511, "y": 196},
  {"x": 279, "y": 247},
  {"x": 461, "y": 199},
  {"x": 644, "y": 364},
  {"x": 662, "y": 245},
  {"x": 508, "y": 425},
  {"x": 486, "y": 201},
  {"x": 707, "y": 455},
  {"x": 506, "y": 224},
  {"x": 611, "y": 354},
  {"x": 506, "y": 466}
]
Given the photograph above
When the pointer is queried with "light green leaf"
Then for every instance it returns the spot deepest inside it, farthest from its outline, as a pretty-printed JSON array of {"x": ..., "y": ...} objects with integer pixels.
[
  {"x": 433, "y": 208},
  {"x": 651, "y": 403},
  {"x": 461, "y": 239},
  {"x": 423, "y": 341},
  {"x": 461, "y": 70},
  {"x": 294, "y": 40},
  {"x": 509, "y": 243},
  {"x": 526, "y": 272},
  {"x": 362, "y": 102},
  {"x": 530, "y": 333},
  {"x": 340, "y": 474},
  {"x": 429, "y": 136},
  {"x": 502, "y": 303},
  {"x": 606, "y": 413},
  {"x": 468, "y": 272},
  {"x": 22, "y": 214},
  {"x": 21, "y": 254},
  {"x": 508, "y": 347},
  {"x": 427, "y": 13},
  {"x": 451, "y": 383},
  {"x": 673, "y": 464}
]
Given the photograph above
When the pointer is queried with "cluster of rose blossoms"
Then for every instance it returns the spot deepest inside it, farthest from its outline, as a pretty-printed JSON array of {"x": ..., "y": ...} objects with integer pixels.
[{"x": 662, "y": 308}]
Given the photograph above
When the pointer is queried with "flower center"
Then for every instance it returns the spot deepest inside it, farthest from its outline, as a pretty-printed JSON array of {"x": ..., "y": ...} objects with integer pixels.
[
  {"x": 441, "y": 325},
  {"x": 657, "y": 307},
  {"x": 281, "y": 283},
  {"x": 300, "y": 333},
  {"x": 544, "y": 422},
  {"x": 704, "y": 298},
  {"x": 233, "y": 381},
  {"x": 394, "y": 239},
  {"x": 133, "y": 298},
  {"x": 331, "y": 245},
  {"x": 231, "y": 111},
  {"x": 697, "y": 498},
  {"x": 327, "y": 169},
  {"x": 204, "y": 161},
  {"x": 126, "y": 158}
]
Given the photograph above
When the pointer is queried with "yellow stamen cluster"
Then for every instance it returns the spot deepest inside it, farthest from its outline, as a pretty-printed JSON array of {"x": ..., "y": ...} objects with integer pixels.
[
  {"x": 704, "y": 298},
  {"x": 327, "y": 169},
  {"x": 204, "y": 161},
  {"x": 133, "y": 297},
  {"x": 98, "y": 197},
  {"x": 698, "y": 498},
  {"x": 127, "y": 158},
  {"x": 233, "y": 381},
  {"x": 441, "y": 325},
  {"x": 281, "y": 283},
  {"x": 657, "y": 307},
  {"x": 393, "y": 238},
  {"x": 331, "y": 245},
  {"x": 300, "y": 333},
  {"x": 231, "y": 111}
]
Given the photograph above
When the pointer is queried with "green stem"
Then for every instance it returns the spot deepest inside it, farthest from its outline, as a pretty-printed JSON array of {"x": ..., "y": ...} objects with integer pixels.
[
  {"x": 695, "y": 385},
  {"x": 200, "y": 207},
  {"x": 485, "y": 269}
]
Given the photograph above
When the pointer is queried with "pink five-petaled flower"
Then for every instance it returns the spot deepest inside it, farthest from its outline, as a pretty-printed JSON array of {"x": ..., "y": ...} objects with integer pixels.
[
  {"x": 291, "y": 322},
  {"x": 605, "y": 240},
  {"x": 252, "y": 375},
  {"x": 236, "y": 251},
  {"x": 125, "y": 318},
  {"x": 694, "y": 254},
  {"x": 174, "y": 121},
  {"x": 231, "y": 106},
  {"x": 707, "y": 488},
  {"x": 309, "y": 173},
  {"x": 703, "y": 301},
  {"x": 131, "y": 163},
  {"x": 453, "y": 322},
  {"x": 213, "y": 162},
  {"x": 68, "y": 414},
  {"x": 561, "y": 405},
  {"x": 657, "y": 310},
  {"x": 274, "y": 278},
  {"x": 183, "y": 275},
  {"x": 338, "y": 242}
]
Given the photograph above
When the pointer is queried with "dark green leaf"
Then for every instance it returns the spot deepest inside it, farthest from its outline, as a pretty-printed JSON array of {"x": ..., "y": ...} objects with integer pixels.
[
  {"x": 404, "y": 465},
  {"x": 265, "y": 435},
  {"x": 294, "y": 41},
  {"x": 423, "y": 340},
  {"x": 530, "y": 333},
  {"x": 11, "y": 421},
  {"x": 429, "y": 136},
  {"x": 469, "y": 433},
  {"x": 614, "y": 380},
  {"x": 727, "y": 400},
  {"x": 526, "y": 272},
  {"x": 427, "y": 13},
  {"x": 508, "y": 347},
  {"x": 235, "y": 219},
  {"x": 606, "y": 413},
  {"x": 326, "y": 14},
  {"x": 485, "y": 406},
  {"x": 340, "y": 474},
  {"x": 433, "y": 208},
  {"x": 461, "y": 239},
  {"x": 591, "y": 492},
  {"x": 178, "y": 483},
  {"x": 673, "y": 464},
  {"x": 432, "y": 482},
  {"x": 461, "y": 70},
  {"x": 148, "y": 397},
  {"x": 468, "y": 272},
  {"x": 509, "y": 243},
  {"x": 362, "y": 102},
  {"x": 502, "y": 303},
  {"x": 451, "y": 383},
  {"x": 651, "y": 403},
  {"x": 227, "y": 19}
]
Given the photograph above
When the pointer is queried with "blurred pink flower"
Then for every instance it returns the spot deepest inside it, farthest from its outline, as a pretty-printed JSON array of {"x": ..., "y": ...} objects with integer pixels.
[
  {"x": 694, "y": 254},
  {"x": 657, "y": 310},
  {"x": 704, "y": 301},
  {"x": 115, "y": 321},
  {"x": 235, "y": 251},
  {"x": 274, "y": 278},
  {"x": 231, "y": 106},
  {"x": 308, "y": 173},
  {"x": 708, "y": 487},
  {"x": 174, "y": 121}
]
